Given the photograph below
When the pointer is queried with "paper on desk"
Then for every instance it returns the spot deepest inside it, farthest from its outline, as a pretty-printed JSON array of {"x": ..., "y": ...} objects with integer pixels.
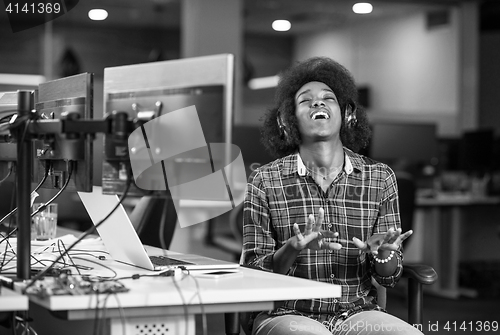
[{"x": 66, "y": 241}]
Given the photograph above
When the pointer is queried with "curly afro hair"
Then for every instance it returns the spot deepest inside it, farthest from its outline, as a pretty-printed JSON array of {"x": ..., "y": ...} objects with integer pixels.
[{"x": 320, "y": 69}]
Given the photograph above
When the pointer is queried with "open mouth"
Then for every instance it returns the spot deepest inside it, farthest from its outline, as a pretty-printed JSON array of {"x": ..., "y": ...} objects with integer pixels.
[{"x": 319, "y": 115}]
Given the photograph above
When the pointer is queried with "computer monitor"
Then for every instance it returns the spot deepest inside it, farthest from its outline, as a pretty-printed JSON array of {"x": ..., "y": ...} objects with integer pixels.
[
  {"x": 477, "y": 148},
  {"x": 413, "y": 143},
  {"x": 151, "y": 90},
  {"x": 70, "y": 97},
  {"x": 8, "y": 152},
  {"x": 8, "y": 108}
]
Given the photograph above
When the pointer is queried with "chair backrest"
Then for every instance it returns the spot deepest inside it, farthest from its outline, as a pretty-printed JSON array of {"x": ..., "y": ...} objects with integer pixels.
[
  {"x": 247, "y": 138},
  {"x": 154, "y": 219},
  {"x": 407, "y": 193}
]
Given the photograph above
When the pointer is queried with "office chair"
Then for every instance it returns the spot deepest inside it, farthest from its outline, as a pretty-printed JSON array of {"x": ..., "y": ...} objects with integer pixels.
[
  {"x": 417, "y": 274},
  {"x": 154, "y": 219},
  {"x": 247, "y": 138}
]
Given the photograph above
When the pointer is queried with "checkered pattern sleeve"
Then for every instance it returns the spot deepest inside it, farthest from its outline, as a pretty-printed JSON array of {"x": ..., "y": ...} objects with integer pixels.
[
  {"x": 389, "y": 218},
  {"x": 258, "y": 243}
]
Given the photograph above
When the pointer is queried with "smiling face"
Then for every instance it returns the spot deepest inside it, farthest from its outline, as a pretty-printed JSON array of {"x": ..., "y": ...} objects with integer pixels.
[{"x": 318, "y": 112}]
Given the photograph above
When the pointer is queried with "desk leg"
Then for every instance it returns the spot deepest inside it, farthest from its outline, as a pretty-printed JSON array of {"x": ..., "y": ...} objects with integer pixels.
[
  {"x": 169, "y": 325},
  {"x": 455, "y": 226},
  {"x": 433, "y": 249},
  {"x": 232, "y": 323},
  {"x": 455, "y": 252},
  {"x": 443, "y": 252}
]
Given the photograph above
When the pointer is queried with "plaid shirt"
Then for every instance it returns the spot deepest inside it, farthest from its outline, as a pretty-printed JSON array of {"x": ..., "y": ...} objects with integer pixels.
[{"x": 361, "y": 201}]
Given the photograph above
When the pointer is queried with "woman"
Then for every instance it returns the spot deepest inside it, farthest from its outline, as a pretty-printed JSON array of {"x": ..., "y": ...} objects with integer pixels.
[{"x": 321, "y": 211}]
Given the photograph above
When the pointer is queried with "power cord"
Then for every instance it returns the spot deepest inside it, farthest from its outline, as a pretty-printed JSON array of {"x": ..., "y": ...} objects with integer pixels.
[
  {"x": 41, "y": 208},
  {"x": 10, "y": 232},
  {"x": 11, "y": 169},
  {"x": 36, "y": 189},
  {"x": 63, "y": 188}
]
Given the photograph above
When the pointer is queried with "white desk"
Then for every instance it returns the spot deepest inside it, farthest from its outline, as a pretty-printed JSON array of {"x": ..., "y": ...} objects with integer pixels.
[
  {"x": 441, "y": 220},
  {"x": 156, "y": 302},
  {"x": 11, "y": 301}
]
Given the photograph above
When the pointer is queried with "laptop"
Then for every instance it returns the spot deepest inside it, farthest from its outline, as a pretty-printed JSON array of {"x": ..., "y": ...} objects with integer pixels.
[{"x": 123, "y": 244}]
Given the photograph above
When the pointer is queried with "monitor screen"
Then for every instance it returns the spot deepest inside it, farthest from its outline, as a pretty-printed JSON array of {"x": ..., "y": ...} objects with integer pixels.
[
  {"x": 149, "y": 91},
  {"x": 414, "y": 143},
  {"x": 477, "y": 147},
  {"x": 8, "y": 153}
]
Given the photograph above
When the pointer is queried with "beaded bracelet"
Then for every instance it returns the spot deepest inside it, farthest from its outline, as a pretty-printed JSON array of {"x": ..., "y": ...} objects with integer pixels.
[{"x": 385, "y": 260}]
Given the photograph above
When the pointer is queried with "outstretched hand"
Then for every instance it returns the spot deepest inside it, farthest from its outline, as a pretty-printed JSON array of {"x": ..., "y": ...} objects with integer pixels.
[
  {"x": 391, "y": 240},
  {"x": 313, "y": 235}
]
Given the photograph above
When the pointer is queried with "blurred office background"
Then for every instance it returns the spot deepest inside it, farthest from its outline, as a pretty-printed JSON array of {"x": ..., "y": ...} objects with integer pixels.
[{"x": 427, "y": 71}]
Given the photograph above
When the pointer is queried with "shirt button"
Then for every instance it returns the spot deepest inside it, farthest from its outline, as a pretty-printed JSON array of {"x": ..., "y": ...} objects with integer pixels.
[
  {"x": 330, "y": 251},
  {"x": 335, "y": 300},
  {"x": 332, "y": 276},
  {"x": 330, "y": 225}
]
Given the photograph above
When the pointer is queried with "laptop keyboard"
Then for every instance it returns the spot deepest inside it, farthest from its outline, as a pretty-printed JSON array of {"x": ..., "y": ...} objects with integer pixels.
[{"x": 165, "y": 261}]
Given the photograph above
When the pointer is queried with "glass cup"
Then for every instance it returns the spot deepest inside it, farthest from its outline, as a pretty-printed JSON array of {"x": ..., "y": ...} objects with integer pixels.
[{"x": 45, "y": 222}]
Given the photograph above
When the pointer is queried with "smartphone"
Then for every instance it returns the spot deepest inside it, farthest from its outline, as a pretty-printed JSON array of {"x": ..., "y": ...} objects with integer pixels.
[{"x": 218, "y": 274}]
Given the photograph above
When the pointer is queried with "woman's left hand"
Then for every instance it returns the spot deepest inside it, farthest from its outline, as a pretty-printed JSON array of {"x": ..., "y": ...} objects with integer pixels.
[{"x": 391, "y": 240}]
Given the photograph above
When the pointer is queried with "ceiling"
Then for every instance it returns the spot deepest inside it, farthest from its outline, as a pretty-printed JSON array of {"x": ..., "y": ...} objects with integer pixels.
[{"x": 305, "y": 15}]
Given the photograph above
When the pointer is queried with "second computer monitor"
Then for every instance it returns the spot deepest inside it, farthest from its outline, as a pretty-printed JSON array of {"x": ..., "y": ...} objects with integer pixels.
[
  {"x": 150, "y": 90},
  {"x": 67, "y": 156},
  {"x": 413, "y": 143}
]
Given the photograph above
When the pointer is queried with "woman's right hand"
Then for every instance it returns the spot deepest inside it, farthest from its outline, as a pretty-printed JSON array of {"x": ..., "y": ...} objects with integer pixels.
[{"x": 313, "y": 235}]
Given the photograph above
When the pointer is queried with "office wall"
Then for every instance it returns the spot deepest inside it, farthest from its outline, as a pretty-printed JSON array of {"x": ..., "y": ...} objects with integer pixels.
[
  {"x": 21, "y": 54},
  {"x": 264, "y": 56},
  {"x": 95, "y": 47},
  {"x": 412, "y": 71}
]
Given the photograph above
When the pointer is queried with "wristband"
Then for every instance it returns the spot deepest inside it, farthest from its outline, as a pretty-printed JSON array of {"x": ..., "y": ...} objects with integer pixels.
[{"x": 385, "y": 260}]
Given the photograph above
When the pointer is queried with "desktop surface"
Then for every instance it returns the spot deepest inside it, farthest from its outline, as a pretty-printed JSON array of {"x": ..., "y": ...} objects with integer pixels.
[
  {"x": 146, "y": 292},
  {"x": 456, "y": 199}
]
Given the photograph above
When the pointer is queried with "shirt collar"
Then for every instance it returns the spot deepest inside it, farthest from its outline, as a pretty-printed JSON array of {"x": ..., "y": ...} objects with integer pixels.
[{"x": 302, "y": 170}]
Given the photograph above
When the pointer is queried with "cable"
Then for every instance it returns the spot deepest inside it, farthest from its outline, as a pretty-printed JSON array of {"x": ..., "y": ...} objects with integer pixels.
[
  {"x": 43, "y": 206},
  {"x": 36, "y": 189},
  {"x": 11, "y": 169},
  {"x": 60, "y": 244},
  {"x": 70, "y": 171},
  {"x": 14, "y": 112},
  {"x": 162, "y": 226},
  {"x": 202, "y": 307},
  {"x": 23, "y": 322},
  {"x": 96, "y": 316},
  {"x": 115, "y": 274},
  {"x": 4, "y": 258},
  {"x": 122, "y": 313},
  {"x": 184, "y": 305},
  {"x": 45, "y": 175},
  {"x": 85, "y": 234}
]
